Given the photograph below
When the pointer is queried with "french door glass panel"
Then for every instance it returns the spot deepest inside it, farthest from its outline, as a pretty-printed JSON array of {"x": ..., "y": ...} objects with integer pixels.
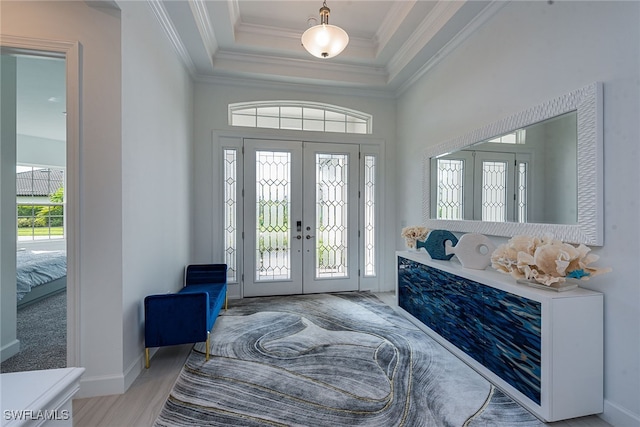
[
  {"x": 330, "y": 217},
  {"x": 272, "y": 201},
  {"x": 302, "y": 217}
]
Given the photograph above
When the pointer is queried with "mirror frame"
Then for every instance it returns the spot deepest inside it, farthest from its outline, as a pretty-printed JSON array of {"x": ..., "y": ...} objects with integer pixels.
[{"x": 589, "y": 228}]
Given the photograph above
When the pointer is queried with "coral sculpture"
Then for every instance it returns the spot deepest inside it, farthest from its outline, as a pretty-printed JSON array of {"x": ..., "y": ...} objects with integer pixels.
[
  {"x": 411, "y": 234},
  {"x": 544, "y": 260}
]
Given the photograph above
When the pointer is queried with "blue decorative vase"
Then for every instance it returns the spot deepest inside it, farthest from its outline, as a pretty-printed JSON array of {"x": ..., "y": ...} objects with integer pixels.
[{"x": 435, "y": 244}]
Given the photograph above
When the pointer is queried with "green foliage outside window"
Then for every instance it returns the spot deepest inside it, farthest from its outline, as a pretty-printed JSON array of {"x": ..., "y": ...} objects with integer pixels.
[{"x": 32, "y": 216}]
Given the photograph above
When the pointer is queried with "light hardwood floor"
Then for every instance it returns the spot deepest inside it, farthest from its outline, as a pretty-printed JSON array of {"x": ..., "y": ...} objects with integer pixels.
[{"x": 141, "y": 404}]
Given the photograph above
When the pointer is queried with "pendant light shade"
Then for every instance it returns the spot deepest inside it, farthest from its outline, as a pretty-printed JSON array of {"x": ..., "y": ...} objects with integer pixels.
[{"x": 324, "y": 40}]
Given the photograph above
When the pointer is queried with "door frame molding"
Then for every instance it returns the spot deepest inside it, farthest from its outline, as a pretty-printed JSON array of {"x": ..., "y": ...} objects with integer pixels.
[
  {"x": 233, "y": 138},
  {"x": 70, "y": 51}
]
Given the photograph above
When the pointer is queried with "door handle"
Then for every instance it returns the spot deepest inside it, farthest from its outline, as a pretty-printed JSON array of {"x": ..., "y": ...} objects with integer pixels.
[
  {"x": 298, "y": 237},
  {"x": 310, "y": 237}
]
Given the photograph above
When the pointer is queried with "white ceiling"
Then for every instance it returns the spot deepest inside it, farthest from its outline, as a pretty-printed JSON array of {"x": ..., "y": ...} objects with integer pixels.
[
  {"x": 41, "y": 100},
  {"x": 391, "y": 41}
]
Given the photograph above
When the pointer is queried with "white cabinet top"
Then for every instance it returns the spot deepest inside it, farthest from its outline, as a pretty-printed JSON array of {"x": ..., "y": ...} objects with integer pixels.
[{"x": 45, "y": 390}]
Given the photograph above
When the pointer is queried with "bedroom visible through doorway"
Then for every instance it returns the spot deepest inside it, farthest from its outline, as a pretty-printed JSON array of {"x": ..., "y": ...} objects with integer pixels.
[{"x": 40, "y": 222}]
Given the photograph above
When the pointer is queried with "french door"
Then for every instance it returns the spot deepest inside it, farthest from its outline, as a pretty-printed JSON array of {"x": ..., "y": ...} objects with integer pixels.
[{"x": 300, "y": 217}]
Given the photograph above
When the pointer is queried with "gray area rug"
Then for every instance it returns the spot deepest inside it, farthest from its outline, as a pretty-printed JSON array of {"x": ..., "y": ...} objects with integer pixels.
[
  {"x": 330, "y": 360},
  {"x": 42, "y": 331}
]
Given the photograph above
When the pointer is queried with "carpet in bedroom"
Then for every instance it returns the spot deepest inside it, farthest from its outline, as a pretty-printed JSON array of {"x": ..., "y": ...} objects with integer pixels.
[
  {"x": 42, "y": 331},
  {"x": 330, "y": 360}
]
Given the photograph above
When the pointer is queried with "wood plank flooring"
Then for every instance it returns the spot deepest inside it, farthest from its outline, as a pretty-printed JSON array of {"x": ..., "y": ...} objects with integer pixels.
[{"x": 141, "y": 404}]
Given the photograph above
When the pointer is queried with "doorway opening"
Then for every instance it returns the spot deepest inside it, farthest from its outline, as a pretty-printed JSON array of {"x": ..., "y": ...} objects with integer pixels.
[{"x": 39, "y": 285}]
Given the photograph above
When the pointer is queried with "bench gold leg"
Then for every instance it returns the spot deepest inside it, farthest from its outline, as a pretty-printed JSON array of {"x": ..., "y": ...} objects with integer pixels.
[
  {"x": 207, "y": 352},
  {"x": 146, "y": 357}
]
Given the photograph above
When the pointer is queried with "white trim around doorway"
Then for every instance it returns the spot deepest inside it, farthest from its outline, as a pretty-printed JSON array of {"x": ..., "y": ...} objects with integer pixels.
[{"x": 70, "y": 51}]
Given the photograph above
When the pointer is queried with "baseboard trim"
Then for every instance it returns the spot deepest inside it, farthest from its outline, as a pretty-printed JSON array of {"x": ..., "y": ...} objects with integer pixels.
[
  {"x": 9, "y": 350},
  {"x": 135, "y": 369},
  {"x": 618, "y": 416},
  {"x": 112, "y": 384},
  {"x": 100, "y": 386}
]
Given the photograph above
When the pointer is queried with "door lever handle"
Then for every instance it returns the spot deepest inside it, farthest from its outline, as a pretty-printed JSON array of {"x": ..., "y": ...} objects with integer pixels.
[{"x": 309, "y": 237}]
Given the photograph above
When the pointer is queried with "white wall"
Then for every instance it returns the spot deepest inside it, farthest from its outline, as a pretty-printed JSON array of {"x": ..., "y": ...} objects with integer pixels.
[
  {"x": 135, "y": 171},
  {"x": 529, "y": 53},
  {"x": 100, "y": 199},
  {"x": 157, "y": 172},
  {"x": 211, "y": 101}
]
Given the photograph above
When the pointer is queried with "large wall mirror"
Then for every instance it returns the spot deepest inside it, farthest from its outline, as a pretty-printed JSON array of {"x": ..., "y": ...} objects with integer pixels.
[{"x": 536, "y": 172}]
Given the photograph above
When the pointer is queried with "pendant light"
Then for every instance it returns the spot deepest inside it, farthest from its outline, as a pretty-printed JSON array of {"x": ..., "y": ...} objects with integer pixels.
[{"x": 324, "y": 40}]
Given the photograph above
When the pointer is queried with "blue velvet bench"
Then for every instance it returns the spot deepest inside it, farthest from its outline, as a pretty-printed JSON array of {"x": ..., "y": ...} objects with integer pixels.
[{"x": 188, "y": 315}]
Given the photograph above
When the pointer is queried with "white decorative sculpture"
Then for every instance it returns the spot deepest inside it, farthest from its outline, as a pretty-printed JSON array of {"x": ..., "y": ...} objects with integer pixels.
[{"x": 473, "y": 250}]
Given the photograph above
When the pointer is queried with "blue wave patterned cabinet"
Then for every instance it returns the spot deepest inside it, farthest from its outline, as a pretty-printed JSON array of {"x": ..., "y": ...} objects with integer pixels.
[{"x": 543, "y": 348}]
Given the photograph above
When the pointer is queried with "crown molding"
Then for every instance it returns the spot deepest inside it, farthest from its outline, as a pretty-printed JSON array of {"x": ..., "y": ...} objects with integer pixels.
[
  {"x": 201, "y": 16},
  {"x": 234, "y": 14},
  {"x": 441, "y": 13},
  {"x": 105, "y": 4},
  {"x": 392, "y": 21},
  {"x": 170, "y": 31},
  {"x": 454, "y": 43},
  {"x": 261, "y": 83},
  {"x": 259, "y": 30},
  {"x": 308, "y": 69}
]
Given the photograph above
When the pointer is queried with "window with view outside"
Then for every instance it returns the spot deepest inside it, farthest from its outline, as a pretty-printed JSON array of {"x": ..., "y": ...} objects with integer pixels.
[
  {"x": 299, "y": 115},
  {"x": 40, "y": 203}
]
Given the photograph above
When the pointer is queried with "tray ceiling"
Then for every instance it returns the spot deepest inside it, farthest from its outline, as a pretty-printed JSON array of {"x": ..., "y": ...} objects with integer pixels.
[{"x": 391, "y": 41}]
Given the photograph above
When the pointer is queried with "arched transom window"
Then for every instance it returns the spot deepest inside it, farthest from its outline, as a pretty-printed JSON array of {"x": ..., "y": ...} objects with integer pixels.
[{"x": 297, "y": 115}]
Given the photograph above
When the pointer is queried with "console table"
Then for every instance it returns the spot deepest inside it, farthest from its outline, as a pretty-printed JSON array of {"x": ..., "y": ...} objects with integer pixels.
[{"x": 543, "y": 348}]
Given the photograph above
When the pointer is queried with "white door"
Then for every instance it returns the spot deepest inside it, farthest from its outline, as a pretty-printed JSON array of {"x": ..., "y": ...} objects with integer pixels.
[{"x": 301, "y": 217}]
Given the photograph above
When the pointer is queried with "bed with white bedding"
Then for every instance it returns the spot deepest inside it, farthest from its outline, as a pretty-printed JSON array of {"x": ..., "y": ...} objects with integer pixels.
[{"x": 39, "y": 273}]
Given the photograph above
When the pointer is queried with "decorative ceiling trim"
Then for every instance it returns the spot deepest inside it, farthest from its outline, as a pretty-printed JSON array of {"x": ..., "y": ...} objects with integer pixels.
[
  {"x": 201, "y": 16},
  {"x": 107, "y": 4},
  {"x": 234, "y": 14},
  {"x": 260, "y": 30},
  {"x": 308, "y": 68},
  {"x": 393, "y": 20},
  {"x": 169, "y": 29},
  {"x": 295, "y": 87},
  {"x": 300, "y": 70},
  {"x": 454, "y": 43},
  {"x": 441, "y": 13}
]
